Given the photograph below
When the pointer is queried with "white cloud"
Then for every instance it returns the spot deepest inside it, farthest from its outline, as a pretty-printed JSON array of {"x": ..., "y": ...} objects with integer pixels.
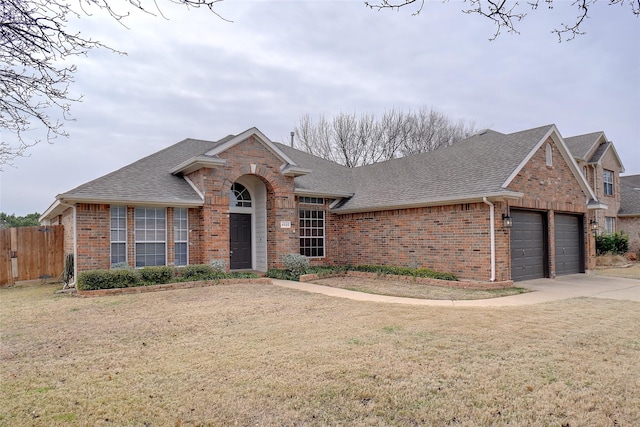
[{"x": 195, "y": 75}]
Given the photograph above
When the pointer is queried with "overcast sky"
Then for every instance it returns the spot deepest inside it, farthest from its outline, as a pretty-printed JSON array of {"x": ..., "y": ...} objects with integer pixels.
[{"x": 195, "y": 75}]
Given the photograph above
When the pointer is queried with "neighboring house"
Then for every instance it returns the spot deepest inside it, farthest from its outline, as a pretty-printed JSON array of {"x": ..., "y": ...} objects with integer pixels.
[
  {"x": 629, "y": 214},
  {"x": 601, "y": 165},
  {"x": 249, "y": 201}
]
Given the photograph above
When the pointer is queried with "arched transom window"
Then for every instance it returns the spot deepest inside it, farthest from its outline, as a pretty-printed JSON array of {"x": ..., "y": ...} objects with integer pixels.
[{"x": 239, "y": 196}]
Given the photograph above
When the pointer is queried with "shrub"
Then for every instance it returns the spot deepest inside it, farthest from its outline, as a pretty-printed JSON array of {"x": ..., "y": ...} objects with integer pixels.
[
  {"x": 282, "y": 274},
  {"x": 201, "y": 272},
  {"x": 296, "y": 264},
  {"x": 218, "y": 265},
  {"x": 107, "y": 279},
  {"x": 404, "y": 271},
  {"x": 613, "y": 243},
  {"x": 157, "y": 275}
]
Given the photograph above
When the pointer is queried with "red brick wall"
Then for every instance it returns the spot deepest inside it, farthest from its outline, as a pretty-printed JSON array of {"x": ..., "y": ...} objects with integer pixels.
[
  {"x": 552, "y": 189},
  {"x": 630, "y": 225},
  {"x": 93, "y": 233},
  {"x": 452, "y": 238}
]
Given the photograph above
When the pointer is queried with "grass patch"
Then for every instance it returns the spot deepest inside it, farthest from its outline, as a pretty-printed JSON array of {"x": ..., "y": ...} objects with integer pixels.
[
  {"x": 265, "y": 355},
  {"x": 401, "y": 288},
  {"x": 632, "y": 272}
]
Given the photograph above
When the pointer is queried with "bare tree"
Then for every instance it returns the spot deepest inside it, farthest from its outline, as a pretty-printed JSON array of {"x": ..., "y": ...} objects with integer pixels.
[
  {"x": 353, "y": 141},
  {"x": 36, "y": 48},
  {"x": 506, "y": 14}
]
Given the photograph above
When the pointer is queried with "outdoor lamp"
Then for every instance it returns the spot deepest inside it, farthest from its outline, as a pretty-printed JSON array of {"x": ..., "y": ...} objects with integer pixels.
[
  {"x": 594, "y": 225},
  {"x": 507, "y": 221}
]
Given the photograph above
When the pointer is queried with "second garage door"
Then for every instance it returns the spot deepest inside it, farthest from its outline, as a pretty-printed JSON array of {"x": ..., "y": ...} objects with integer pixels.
[
  {"x": 528, "y": 245},
  {"x": 568, "y": 244}
]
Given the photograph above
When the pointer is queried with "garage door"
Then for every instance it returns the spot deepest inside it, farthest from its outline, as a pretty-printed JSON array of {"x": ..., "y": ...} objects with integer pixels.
[
  {"x": 527, "y": 245},
  {"x": 568, "y": 244}
]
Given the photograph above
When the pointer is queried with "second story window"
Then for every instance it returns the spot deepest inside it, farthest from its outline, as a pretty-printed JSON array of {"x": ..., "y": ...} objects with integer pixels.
[{"x": 608, "y": 182}]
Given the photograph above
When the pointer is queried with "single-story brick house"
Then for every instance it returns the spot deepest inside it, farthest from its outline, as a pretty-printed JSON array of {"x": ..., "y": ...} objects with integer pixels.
[
  {"x": 249, "y": 201},
  {"x": 629, "y": 214}
]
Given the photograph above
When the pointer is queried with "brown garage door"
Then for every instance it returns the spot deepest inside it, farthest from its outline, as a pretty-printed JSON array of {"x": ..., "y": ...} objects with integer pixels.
[
  {"x": 569, "y": 244},
  {"x": 528, "y": 245}
]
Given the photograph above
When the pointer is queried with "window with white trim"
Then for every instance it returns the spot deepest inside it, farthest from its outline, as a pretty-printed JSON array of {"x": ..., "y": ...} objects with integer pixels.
[
  {"x": 608, "y": 182},
  {"x": 151, "y": 236},
  {"x": 311, "y": 233},
  {"x": 118, "y": 234},
  {"x": 312, "y": 200},
  {"x": 239, "y": 196},
  {"x": 609, "y": 225},
  {"x": 180, "y": 236}
]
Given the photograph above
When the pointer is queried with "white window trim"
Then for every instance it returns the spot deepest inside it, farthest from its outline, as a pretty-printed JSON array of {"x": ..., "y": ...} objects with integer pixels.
[
  {"x": 324, "y": 232},
  {"x": 111, "y": 229},
  {"x": 136, "y": 241},
  {"x": 175, "y": 240}
]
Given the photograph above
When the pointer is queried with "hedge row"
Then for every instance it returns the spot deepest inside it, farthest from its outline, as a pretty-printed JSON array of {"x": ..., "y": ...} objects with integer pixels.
[
  {"x": 128, "y": 278},
  {"x": 287, "y": 274}
]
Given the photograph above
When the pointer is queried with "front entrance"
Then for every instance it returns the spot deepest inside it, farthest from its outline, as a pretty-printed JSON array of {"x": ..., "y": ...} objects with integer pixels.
[{"x": 240, "y": 241}]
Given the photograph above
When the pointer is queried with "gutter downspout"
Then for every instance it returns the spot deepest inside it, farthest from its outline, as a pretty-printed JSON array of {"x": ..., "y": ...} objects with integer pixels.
[
  {"x": 75, "y": 244},
  {"x": 492, "y": 231}
]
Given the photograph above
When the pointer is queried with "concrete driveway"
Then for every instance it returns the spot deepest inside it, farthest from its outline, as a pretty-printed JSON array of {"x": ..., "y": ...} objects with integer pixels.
[{"x": 543, "y": 290}]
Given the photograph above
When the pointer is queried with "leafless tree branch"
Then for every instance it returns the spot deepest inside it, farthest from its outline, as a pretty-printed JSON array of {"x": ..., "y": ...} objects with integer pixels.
[
  {"x": 36, "y": 50},
  {"x": 506, "y": 14}
]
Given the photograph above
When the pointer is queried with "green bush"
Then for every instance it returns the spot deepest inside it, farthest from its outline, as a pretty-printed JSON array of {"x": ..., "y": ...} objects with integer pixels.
[
  {"x": 157, "y": 275},
  {"x": 282, "y": 274},
  {"x": 202, "y": 272},
  {"x": 614, "y": 243},
  {"x": 107, "y": 279},
  {"x": 404, "y": 271}
]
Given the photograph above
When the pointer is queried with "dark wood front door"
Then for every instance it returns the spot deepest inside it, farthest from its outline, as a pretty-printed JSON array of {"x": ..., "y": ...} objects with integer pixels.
[{"x": 240, "y": 241}]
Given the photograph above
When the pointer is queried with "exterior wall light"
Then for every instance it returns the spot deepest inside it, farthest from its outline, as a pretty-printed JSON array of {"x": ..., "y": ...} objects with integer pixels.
[
  {"x": 507, "y": 221},
  {"x": 593, "y": 224}
]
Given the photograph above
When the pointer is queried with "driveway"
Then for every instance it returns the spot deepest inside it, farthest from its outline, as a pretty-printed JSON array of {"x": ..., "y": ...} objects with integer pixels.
[{"x": 543, "y": 290}]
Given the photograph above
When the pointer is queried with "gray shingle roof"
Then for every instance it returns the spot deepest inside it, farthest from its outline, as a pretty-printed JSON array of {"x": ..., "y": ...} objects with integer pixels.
[
  {"x": 580, "y": 145},
  {"x": 597, "y": 155},
  {"x": 147, "y": 180},
  {"x": 475, "y": 167},
  {"x": 629, "y": 195}
]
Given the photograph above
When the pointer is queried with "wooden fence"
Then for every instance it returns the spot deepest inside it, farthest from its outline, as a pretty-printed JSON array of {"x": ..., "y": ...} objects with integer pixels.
[{"x": 28, "y": 253}]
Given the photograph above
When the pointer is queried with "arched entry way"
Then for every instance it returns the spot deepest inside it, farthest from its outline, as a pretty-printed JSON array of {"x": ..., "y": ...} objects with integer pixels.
[{"x": 248, "y": 224}]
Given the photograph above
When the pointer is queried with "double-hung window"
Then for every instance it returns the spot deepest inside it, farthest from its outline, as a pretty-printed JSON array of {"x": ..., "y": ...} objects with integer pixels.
[
  {"x": 609, "y": 225},
  {"x": 608, "y": 182},
  {"x": 180, "y": 236},
  {"x": 118, "y": 234},
  {"x": 151, "y": 236},
  {"x": 312, "y": 235}
]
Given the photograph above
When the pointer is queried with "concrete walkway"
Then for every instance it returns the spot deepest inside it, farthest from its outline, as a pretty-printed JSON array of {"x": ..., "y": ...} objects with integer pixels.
[{"x": 543, "y": 290}]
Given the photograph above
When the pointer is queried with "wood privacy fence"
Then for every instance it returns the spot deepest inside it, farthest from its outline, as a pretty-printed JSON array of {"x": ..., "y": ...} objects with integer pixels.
[{"x": 28, "y": 253}]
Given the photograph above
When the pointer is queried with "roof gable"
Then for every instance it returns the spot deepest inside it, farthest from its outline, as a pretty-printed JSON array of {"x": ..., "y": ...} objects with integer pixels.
[
  {"x": 553, "y": 133},
  {"x": 583, "y": 146}
]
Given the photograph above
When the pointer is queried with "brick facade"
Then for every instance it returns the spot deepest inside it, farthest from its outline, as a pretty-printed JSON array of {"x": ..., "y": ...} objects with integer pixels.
[
  {"x": 453, "y": 238},
  {"x": 553, "y": 189},
  {"x": 630, "y": 225}
]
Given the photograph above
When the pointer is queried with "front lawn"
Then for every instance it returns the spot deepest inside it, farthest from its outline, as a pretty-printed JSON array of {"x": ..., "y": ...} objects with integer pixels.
[
  {"x": 409, "y": 289},
  {"x": 262, "y": 355}
]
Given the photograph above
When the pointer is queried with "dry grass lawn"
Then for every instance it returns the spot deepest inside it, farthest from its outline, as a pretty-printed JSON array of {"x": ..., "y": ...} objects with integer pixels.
[
  {"x": 632, "y": 272},
  {"x": 261, "y": 355},
  {"x": 400, "y": 288}
]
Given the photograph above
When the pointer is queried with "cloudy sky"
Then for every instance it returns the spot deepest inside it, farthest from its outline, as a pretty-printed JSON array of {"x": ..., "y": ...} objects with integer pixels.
[{"x": 195, "y": 75}]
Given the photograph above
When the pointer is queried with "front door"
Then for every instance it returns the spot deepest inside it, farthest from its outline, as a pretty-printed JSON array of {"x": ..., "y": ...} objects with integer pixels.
[{"x": 240, "y": 241}]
